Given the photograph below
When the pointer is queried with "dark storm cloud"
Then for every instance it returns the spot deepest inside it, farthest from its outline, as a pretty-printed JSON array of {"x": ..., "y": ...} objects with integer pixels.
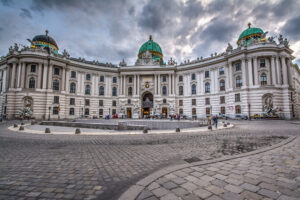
[
  {"x": 7, "y": 2},
  {"x": 25, "y": 13},
  {"x": 112, "y": 30},
  {"x": 292, "y": 28},
  {"x": 1, "y": 29}
]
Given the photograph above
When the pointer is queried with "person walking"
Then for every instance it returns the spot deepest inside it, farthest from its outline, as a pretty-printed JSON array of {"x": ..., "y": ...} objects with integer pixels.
[{"x": 216, "y": 121}]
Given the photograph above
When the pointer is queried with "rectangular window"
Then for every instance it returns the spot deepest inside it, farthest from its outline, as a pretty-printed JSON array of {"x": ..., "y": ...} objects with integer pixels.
[
  {"x": 238, "y": 109},
  {"x": 223, "y": 110},
  {"x": 71, "y": 111},
  {"x": 55, "y": 110},
  {"x": 86, "y": 111},
  {"x": 114, "y": 103},
  {"x": 56, "y": 100},
  {"x": 262, "y": 63},
  {"x": 181, "y": 111},
  {"x": 206, "y": 74},
  {"x": 238, "y": 67},
  {"x": 56, "y": 71},
  {"x": 100, "y": 112},
  {"x": 101, "y": 78},
  {"x": 207, "y": 110},
  {"x": 114, "y": 79},
  {"x": 33, "y": 68},
  {"x": 222, "y": 99},
  {"x": 194, "y": 112},
  {"x": 207, "y": 101},
  {"x": 100, "y": 102},
  {"x": 73, "y": 74},
  {"x": 221, "y": 71},
  {"x": 87, "y": 102},
  {"x": 113, "y": 111},
  {"x": 164, "y": 79},
  {"x": 72, "y": 101},
  {"x": 193, "y": 102},
  {"x": 180, "y": 102},
  {"x": 237, "y": 97}
]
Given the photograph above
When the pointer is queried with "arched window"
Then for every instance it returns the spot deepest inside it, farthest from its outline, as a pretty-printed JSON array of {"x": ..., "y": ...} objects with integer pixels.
[
  {"x": 222, "y": 85},
  {"x": 193, "y": 89},
  {"x": 101, "y": 90},
  {"x": 263, "y": 79},
  {"x": 207, "y": 87},
  {"x": 55, "y": 85},
  {"x": 180, "y": 90},
  {"x": 193, "y": 76},
  {"x": 88, "y": 89},
  {"x": 180, "y": 78},
  {"x": 32, "y": 82},
  {"x": 130, "y": 91},
  {"x": 114, "y": 91},
  {"x": 164, "y": 90},
  {"x": 238, "y": 81},
  {"x": 72, "y": 88}
]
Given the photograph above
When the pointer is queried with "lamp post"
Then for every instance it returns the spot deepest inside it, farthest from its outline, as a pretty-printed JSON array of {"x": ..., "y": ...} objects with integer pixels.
[
  {"x": 249, "y": 111},
  {"x": 49, "y": 113}
]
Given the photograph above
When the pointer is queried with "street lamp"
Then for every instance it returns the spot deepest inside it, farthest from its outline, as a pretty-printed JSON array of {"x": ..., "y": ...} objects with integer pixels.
[
  {"x": 49, "y": 113},
  {"x": 249, "y": 111}
]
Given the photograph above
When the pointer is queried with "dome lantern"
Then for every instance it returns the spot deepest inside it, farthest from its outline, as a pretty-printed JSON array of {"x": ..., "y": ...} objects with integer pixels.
[{"x": 44, "y": 41}]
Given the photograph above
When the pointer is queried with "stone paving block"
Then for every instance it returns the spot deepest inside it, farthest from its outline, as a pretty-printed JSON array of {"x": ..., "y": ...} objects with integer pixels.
[
  {"x": 180, "y": 191},
  {"x": 214, "y": 189},
  {"x": 170, "y": 176},
  {"x": 152, "y": 198},
  {"x": 214, "y": 197},
  {"x": 33, "y": 194},
  {"x": 207, "y": 178},
  {"x": 251, "y": 181},
  {"x": 268, "y": 186},
  {"x": 179, "y": 180},
  {"x": 191, "y": 197},
  {"x": 250, "y": 187},
  {"x": 189, "y": 186},
  {"x": 219, "y": 183},
  {"x": 145, "y": 194},
  {"x": 153, "y": 186},
  {"x": 231, "y": 196},
  {"x": 169, "y": 185},
  {"x": 233, "y": 188},
  {"x": 284, "y": 197},
  {"x": 196, "y": 174},
  {"x": 202, "y": 193},
  {"x": 159, "y": 192},
  {"x": 268, "y": 193},
  {"x": 233, "y": 181},
  {"x": 250, "y": 195},
  {"x": 170, "y": 197},
  {"x": 220, "y": 176}
]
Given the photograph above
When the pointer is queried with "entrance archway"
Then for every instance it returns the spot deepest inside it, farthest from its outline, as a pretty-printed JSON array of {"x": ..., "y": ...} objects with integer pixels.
[
  {"x": 129, "y": 114},
  {"x": 147, "y": 104},
  {"x": 164, "y": 112}
]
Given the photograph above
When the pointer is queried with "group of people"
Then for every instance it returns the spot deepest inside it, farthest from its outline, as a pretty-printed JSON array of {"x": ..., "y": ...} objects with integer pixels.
[{"x": 215, "y": 120}]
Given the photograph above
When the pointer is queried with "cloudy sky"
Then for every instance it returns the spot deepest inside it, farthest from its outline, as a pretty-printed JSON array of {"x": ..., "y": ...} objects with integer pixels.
[{"x": 110, "y": 30}]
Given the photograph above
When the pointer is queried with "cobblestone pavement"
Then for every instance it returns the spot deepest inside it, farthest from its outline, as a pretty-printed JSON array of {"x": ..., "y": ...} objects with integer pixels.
[{"x": 34, "y": 166}]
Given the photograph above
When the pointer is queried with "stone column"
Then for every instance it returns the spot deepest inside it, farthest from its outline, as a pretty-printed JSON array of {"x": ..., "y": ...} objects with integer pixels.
[
  {"x": 284, "y": 71},
  {"x": 13, "y": 76},
  {"x": 45, "y": 75},
  {"x": 188, "y": 77},
  {"x": 290, "y": 73},
  {"x": 244, "y": 73},
  {"x": 67, "y": 80},
  {"x": 230, "y": 76},
  {"x": 273, "y": 70},
  {"x": 138, "y": 85},
  {"x": 173, "y": 84},
  {"x": 216, "y": 81},
  {"x": 39, "y": 81},
  {"x": 279, "y": 81},
  {"x": 158, "y": 85},
  {"x": 19, "y": 75},
  {"x": 269, "y": 71},
  {"x": 22, "y": 75},
  {"x": 250, "y": 72},
  {"x": 50, "y": 74},
  {"x": 4, "y": 79},
  {"x": 63, "y": 79},
  {"x": 121, "y": 85},
  {"x": 134, "y": 85},
  {"x": 155, "y": 84},
  {"x": 169, "y": 82},
  {"x": 255, "y": 71}
]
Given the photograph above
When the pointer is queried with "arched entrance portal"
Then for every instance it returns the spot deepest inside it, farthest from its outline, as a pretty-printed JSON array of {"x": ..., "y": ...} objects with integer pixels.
[{"x": 147, "y": 104}]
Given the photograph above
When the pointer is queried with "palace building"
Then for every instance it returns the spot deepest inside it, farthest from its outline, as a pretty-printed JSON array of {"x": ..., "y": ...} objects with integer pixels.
[{"x": 255, "y": 78}]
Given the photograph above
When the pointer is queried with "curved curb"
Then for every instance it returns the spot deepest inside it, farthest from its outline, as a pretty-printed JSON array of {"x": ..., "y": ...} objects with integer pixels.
[{"x": 133, "y": 192}]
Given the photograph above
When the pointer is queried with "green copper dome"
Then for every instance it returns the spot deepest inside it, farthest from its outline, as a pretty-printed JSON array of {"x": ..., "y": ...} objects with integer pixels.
[
  {"x": 250, "y": 33},
  {"x": 152, "y": 47}
]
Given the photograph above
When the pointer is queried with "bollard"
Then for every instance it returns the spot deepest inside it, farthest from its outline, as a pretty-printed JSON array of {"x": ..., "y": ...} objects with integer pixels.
[
  {"x": 77, "y": 131},
  {"x": 21, "y": 128},
  {"x": 228, "y": 123},
  {"x": 209, "y": 127},
  {"x": 224, "y": 125},
  {"x": 15, "y": 125},
  {"x": 22, "y": 123},
  {"x": 177, "y": 130},
  {"x": 47, "y": 130},
  {"x": 145, "y": 130}
]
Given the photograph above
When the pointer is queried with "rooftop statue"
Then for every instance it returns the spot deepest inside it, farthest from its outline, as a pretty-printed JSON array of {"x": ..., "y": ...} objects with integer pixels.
[{"x": 229, "y": 48}]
